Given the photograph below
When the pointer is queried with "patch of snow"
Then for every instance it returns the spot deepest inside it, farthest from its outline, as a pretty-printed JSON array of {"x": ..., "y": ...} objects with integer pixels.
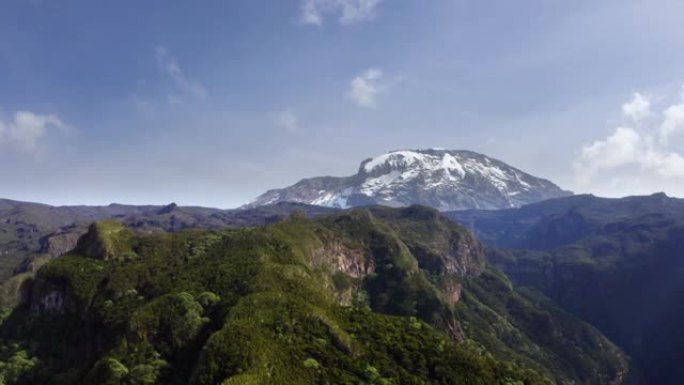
[
  {"x": 331, "y": 199},
  {"x": 416, "y": 162},
  {"x": 342, "y": 198},
  {"x": 499, "y": 178},
  {"x": 449, "y": 163},
  {"x": 521, "y": 180},
  {"x": 373, "y": 185},
  {"x": 409, "y": 174},
  {"x": 395, "y": 159},
  {"x": 274, "y": 198}
]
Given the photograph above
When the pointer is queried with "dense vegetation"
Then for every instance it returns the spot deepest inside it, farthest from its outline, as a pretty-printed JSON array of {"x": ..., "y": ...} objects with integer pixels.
[{"x": 378, "y": 296}]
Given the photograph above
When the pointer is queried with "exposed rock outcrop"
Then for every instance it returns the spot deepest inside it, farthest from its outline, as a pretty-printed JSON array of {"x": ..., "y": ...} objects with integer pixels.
[{"x": 105, "y": 240}]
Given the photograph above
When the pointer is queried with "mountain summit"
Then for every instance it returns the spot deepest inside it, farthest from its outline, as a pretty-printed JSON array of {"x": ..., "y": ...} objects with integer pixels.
[{"x": 443, "y": 179}]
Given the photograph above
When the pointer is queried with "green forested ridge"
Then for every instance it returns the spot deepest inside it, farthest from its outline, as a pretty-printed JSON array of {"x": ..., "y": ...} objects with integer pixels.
[
  {"x": 31, "y": 233},
  {"x": 377, "y": 296}
]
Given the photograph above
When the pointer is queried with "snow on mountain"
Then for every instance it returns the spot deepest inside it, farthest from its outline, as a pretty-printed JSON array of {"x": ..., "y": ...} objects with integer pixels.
[{"x": 444, "y": 179}]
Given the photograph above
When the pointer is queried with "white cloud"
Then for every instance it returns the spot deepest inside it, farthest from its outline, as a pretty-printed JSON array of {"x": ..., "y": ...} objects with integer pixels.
[
  {"x": 364, "y": 89},
  {"x": 665, "y": 164},
  {"x": 347, "y": 11},
  {"x": 287, "y": 119},
  {"x": 638, "y": 108},
  {"x": 169, "y": 65},
  {"x": 619, "y": 149},
  {"x": 643, "y": 156},
  {"x": 26, "y": 129},
  {"x": 673, "y": 122}
]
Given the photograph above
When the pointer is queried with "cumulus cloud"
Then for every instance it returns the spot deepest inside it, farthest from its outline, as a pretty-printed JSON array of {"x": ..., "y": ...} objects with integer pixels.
[
  {"x": 26, "y": 129},
  {"x": 640, "y": 153},
  {"x": 638, "y": 108},
  {"x": 364, "y": 88},
  {"x": 621, "y": 148},
  {"x": 168, "y": 64},
  {"x": 673, "y": 122},
  {"x": 287, "y": 119},
  {"x": 347, "y": 11}
]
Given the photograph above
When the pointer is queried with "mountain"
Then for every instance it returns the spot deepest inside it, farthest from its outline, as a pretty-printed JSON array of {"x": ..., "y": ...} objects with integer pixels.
[
  {"x": 443, "y": 179},
  {"x": 30, "y": 233},
  {"x": 368, "y": 296},
  {"x": 555, "y": 222},
  {"x": 616, "y": 263}
]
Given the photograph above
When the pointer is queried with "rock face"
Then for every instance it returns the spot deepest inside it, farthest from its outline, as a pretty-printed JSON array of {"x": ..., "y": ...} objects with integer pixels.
[
  {"x": 61, "y": 241},
  {"x": 352, "y": 262},
  {"x": 443, "y": 179}
]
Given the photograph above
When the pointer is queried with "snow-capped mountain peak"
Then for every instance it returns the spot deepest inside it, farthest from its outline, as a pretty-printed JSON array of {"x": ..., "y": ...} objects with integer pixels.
[
  {"x": 444, "y": 179},
  {"x": 414, "y": 160}
]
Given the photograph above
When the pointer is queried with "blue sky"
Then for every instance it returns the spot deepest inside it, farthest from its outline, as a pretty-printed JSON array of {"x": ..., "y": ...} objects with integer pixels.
[{"x": 213, "y": 102}]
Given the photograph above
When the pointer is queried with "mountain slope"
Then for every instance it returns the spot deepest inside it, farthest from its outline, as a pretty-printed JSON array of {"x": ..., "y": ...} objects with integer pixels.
[
  {"x": 443, "y": 179},
  {"x": 374, "y": 296}
]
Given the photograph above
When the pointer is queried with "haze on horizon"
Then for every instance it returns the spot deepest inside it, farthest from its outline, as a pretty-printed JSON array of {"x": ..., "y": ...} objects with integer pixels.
[{"x": 213, "y": 104}]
